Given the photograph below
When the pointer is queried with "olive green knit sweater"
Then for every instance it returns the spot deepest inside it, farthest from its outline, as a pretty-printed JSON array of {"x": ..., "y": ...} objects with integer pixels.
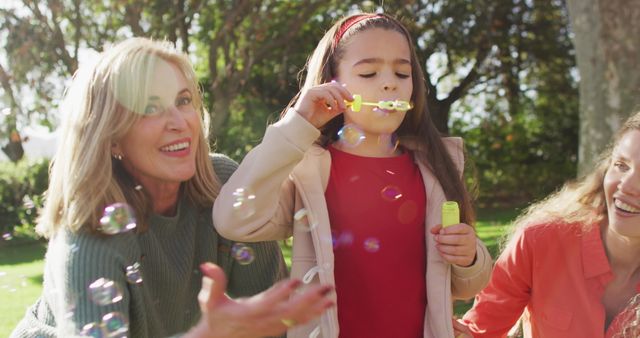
[{"x": 167, "y": 255}]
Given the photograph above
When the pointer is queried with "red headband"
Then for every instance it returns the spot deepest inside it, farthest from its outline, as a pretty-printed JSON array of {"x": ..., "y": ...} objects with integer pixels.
[{"x": 350, "y": 23}]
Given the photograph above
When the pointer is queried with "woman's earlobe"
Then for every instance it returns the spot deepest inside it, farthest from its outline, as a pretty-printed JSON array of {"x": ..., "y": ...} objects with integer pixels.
[{"x": 116, "y": 152}]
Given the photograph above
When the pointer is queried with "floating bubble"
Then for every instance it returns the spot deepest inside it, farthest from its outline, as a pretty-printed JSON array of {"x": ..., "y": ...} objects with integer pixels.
[
  {"x": 389, "y": 141},
  {"x": 350, "y": 135},
  {"x": 408, "y": 212},
  {"x": 342, "y": 239},
  {"x": 242, "y": 253},
  {"x": 95, "y": 330},
  {"x": 133, "y": 273},
  {"x": 117, "y": 218},
  {"x": 391, "y": 193},
  {"x": 371, "y": 244},
  {"x": 115, "y": 324},
  {"x": 244, "y": 202},
  {"x": 27, "y": 202},
  {"x": 104, "y": 292},
  {"x": 7, "y": 236},
  {"x": 302, "y": 220}
]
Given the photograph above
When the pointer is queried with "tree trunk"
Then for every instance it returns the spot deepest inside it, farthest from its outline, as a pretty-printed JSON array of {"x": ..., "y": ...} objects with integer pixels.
[{"x": 607, "y": 41}]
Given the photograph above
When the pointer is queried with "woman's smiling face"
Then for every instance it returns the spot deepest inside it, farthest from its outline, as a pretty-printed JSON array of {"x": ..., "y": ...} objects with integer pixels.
[
  {"x": 622, "y": 186},
  {"x": 161, "y": 146}
]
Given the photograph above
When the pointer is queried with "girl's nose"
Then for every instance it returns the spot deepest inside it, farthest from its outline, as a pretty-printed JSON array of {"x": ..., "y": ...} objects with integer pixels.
[{"x": 389, "y": 85}]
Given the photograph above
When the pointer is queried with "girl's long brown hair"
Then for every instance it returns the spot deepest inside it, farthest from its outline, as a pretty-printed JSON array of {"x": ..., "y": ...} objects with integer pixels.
[{"x": 417, "y": 131}]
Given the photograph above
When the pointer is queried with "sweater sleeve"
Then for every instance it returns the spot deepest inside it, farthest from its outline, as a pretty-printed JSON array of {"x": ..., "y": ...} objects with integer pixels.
[
  {"x": 96, "y": 278},
  {"x": 84, "y": 281},
  {"x": 498, "y": 307},
  {"x": 261, "y": 266},
  {"x": 223, "y": 166},
  {"x": 263, "y": 178}
]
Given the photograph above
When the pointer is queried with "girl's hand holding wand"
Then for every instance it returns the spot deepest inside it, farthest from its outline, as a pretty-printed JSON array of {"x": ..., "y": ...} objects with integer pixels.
[{"x": 321, "y": 103}]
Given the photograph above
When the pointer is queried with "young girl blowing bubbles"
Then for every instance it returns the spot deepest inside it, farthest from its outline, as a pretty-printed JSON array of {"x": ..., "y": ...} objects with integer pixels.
[{"x": 360, "y": 186}]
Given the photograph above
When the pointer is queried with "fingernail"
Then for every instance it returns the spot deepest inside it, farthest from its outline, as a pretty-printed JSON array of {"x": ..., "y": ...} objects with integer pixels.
[
  {"x": 204, "y": 267},
  {"x": 326, "y": 290},
  {"x": 294, "y": 283},
  {"x": 203, "y": 295}
]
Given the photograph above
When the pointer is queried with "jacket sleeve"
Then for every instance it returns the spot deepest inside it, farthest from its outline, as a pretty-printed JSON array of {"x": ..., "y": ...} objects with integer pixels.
[
  {"x": 466, "y": 282},
  {"x": 256, "y": 203},
  {"x": 498, "y": 307}
]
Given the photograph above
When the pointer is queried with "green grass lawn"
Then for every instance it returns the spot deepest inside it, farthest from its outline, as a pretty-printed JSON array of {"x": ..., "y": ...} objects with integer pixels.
[{"x": 21, "y": 264}]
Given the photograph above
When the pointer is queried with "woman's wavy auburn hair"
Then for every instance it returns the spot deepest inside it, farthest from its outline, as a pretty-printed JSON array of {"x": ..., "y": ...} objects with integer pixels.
[
  {"x": 99, "y": 108},
  {"x": 582, "y": 202}
]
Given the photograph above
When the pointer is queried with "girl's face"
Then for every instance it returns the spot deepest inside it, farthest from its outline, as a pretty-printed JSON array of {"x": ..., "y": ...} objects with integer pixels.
[
  {"x": 161, "y": 147},
  {"x": 622, "y": 186},
  {"x": 376, "y": 65}
]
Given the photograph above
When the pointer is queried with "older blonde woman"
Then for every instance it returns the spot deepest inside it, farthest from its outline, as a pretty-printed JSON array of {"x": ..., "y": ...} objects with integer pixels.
[{"x": 133, "y": 145}]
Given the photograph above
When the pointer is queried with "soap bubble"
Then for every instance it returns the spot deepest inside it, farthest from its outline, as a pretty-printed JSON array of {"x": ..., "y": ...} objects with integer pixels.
[
  {"x": 242, "y": 253},
  {"x": 350, "y": 135},
  {"x": 104, "y": 291},
  {"x": 371, "y": 244},
  {"x": 244, "y": 202},
  {"x": 117, "y": 218},
  {"x": 391, "y": 193},
  {"x": 115, "y": 324},
  {"x": 133, "y": 273}
]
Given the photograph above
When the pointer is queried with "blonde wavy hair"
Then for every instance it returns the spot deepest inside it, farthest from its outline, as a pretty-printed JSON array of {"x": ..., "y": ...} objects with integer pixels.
[
  {"x": 582, "y": 202},
  {"x": 99, "y": 108}
]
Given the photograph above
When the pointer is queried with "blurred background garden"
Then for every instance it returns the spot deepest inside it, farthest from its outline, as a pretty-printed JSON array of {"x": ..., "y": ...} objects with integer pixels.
[{"x": 503, "y": 74}]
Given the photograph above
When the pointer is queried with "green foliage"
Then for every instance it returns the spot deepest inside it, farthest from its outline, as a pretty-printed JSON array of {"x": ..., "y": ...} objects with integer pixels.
[
  {"x": 22, "y": 185},
  {"x": 521, "y": 130},
  {"x": 501, "y": 68}
]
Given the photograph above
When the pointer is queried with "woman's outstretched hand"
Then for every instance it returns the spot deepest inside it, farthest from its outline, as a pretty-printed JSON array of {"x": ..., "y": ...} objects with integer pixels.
[
  {"x": 456, "y": 243},
  {"x": 269, "y": 313},
  {"x": 321, "y": 103}
]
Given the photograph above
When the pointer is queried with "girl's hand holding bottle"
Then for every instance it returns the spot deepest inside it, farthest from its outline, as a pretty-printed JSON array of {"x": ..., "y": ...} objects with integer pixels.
[
  {"x": 321, "y": 103},
  {"x": 456, "y": 243}
]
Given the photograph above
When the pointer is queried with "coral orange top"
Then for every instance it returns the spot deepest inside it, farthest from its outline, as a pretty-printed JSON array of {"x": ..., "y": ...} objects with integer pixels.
[{"x": 557, "y": 274}]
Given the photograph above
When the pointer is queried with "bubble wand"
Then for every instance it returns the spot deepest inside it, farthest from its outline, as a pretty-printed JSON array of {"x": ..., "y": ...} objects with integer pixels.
[{"x": 398, "y": 105}]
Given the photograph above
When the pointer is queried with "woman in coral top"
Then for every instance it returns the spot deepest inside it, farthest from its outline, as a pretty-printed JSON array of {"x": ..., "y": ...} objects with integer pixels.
[{"x": 573, "y": 262}]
